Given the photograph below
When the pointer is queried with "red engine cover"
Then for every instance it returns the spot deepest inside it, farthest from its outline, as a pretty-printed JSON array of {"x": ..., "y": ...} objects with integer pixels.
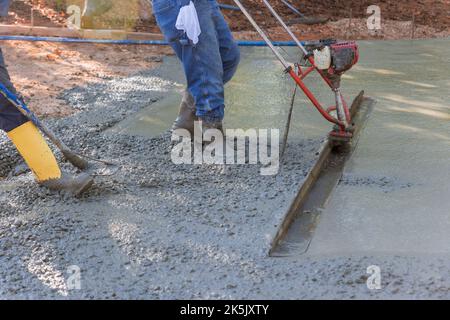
[{"x": 344, "y": 56}]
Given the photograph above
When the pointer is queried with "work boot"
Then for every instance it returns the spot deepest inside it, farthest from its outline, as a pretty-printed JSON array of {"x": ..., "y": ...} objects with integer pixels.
[
  {"x": 209, "y": 124},
  {"x": 74, "y": 185},
  {"x": 206, "y": 125},
  {"x": 186, "y": 116},
  {"x": 40, "y": 159}
]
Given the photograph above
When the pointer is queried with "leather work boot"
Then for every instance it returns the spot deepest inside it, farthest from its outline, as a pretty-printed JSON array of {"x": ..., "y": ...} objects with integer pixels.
[
  {"x": 186, "y": 116},
  {"x": 75, "y": 185},
  {"x": 207, "y": 124}
]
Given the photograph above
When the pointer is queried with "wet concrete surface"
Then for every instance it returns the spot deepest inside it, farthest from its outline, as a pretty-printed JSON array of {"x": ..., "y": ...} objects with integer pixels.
[
  {"x": 393, "y": 197},
  {"x": 158, "y": 230},
  {"x": 299, "y": 226},
  {"x": 254, "y": 99},
  {"x": 155, "y": 229}
]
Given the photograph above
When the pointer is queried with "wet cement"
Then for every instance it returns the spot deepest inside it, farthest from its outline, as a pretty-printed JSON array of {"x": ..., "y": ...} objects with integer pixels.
[
  {"x": 262, "y": 97},
  {"x": 154, "y": 230},
  {"x": 393, "y": 197},
  {"x": 159, "y": 230},
  {"x": 301, "y": 222},
  {"x": 258, "y": 97}
]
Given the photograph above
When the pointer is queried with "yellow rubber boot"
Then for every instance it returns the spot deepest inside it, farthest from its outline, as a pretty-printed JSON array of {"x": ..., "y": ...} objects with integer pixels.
[{"x": 35, "y": 151}]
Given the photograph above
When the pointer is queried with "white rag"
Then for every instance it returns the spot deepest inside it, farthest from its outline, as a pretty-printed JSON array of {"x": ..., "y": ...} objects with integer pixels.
[{"x": 188, "y": 22}]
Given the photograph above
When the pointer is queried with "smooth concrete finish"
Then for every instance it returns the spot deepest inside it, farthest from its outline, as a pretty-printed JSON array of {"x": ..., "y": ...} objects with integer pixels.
[
  {"x": 394, "y": 195},
  {"x": 399, "y": 174}
]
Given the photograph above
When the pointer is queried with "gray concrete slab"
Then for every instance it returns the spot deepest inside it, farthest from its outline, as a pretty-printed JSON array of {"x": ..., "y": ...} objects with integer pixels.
[
  {"x": 158, "y": 230},
  {"x": 394, "y": 195}
]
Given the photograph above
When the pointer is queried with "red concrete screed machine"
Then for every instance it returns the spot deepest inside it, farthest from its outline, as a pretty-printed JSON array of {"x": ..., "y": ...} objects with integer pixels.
[{"x": 330, "y": 58}]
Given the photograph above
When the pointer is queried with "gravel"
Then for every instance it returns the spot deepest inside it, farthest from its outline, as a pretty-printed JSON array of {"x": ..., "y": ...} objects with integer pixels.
[{"x": 157, "y": 230}]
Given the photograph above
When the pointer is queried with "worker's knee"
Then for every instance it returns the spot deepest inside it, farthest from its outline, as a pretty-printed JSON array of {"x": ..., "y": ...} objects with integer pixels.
[{"x": 10, "y": 117}]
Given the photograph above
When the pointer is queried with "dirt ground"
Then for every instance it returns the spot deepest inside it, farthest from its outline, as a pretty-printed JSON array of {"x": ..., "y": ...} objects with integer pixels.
[
  {"x": 427, "y": 12},
  {"x": 42, "y": 70},
  {"x": 431, "y": 17},
  {"x": 45, "y": 16},
  {"x": 352, "y": 29},
  {"x": 348, "y": 19}
]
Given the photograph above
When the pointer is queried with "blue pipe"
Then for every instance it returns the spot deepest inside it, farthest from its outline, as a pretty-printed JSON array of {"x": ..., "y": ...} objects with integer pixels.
[
  {"x": 252, "y": 43},
  {"x": 242, "y": 43},
  {"x": 79, "y": 40}
]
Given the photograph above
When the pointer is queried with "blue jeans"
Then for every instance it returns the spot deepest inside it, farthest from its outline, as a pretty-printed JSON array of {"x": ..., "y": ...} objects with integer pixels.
[
  {"x": 210, "y": 63},
  {"x": 4, "y": 6},
  {"x": 10, "y": 117}
]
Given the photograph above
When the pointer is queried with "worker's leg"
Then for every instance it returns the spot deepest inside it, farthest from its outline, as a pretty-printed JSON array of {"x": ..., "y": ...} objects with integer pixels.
[
  {"x": 25, "y": 136},
  {"x": 4, "y": 7},
  {"x": 230, "y": 54},
  {"x": 202, "y": 62},
  {"x": 10, "y": 117},
  {"x": 229, "y": 50},
  {"x": 32, "y": 146}
]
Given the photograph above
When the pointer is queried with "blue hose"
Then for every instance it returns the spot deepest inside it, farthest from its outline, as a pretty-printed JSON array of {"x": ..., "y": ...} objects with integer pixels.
[
  {"x": 242, "y": 43},
  {"x": 250, "y": 43}
]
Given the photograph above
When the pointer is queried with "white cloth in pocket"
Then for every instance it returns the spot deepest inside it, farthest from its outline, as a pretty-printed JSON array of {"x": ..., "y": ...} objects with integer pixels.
[{"x": 188, "y": 22}]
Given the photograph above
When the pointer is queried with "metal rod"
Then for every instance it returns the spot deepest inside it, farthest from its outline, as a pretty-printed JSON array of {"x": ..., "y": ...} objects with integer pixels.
[
  {"x": 340, "y": 109},
  {"x": 296, "y": 40},
  {"x": 262, "y": 34},
  {"x": 291, "y": 71},
  {"x": 228, "y": 7},
  {"x": 314, "y": 101},
  {"x": 294, "y": 9},
  {"x": 288, "y": 123},
  {"x": 288, "y": 30}
]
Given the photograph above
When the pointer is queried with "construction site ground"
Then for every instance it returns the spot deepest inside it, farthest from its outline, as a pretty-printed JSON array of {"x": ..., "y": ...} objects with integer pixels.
[
  {"x": 430, "y": 17},
  {"x": 159, "y": 230}
]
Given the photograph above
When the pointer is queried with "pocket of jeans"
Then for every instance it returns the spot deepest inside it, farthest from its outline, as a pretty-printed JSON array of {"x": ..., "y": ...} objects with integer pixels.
[
  {"x": 166, "y": 13},
  {"x": 161, "y": 6}
]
